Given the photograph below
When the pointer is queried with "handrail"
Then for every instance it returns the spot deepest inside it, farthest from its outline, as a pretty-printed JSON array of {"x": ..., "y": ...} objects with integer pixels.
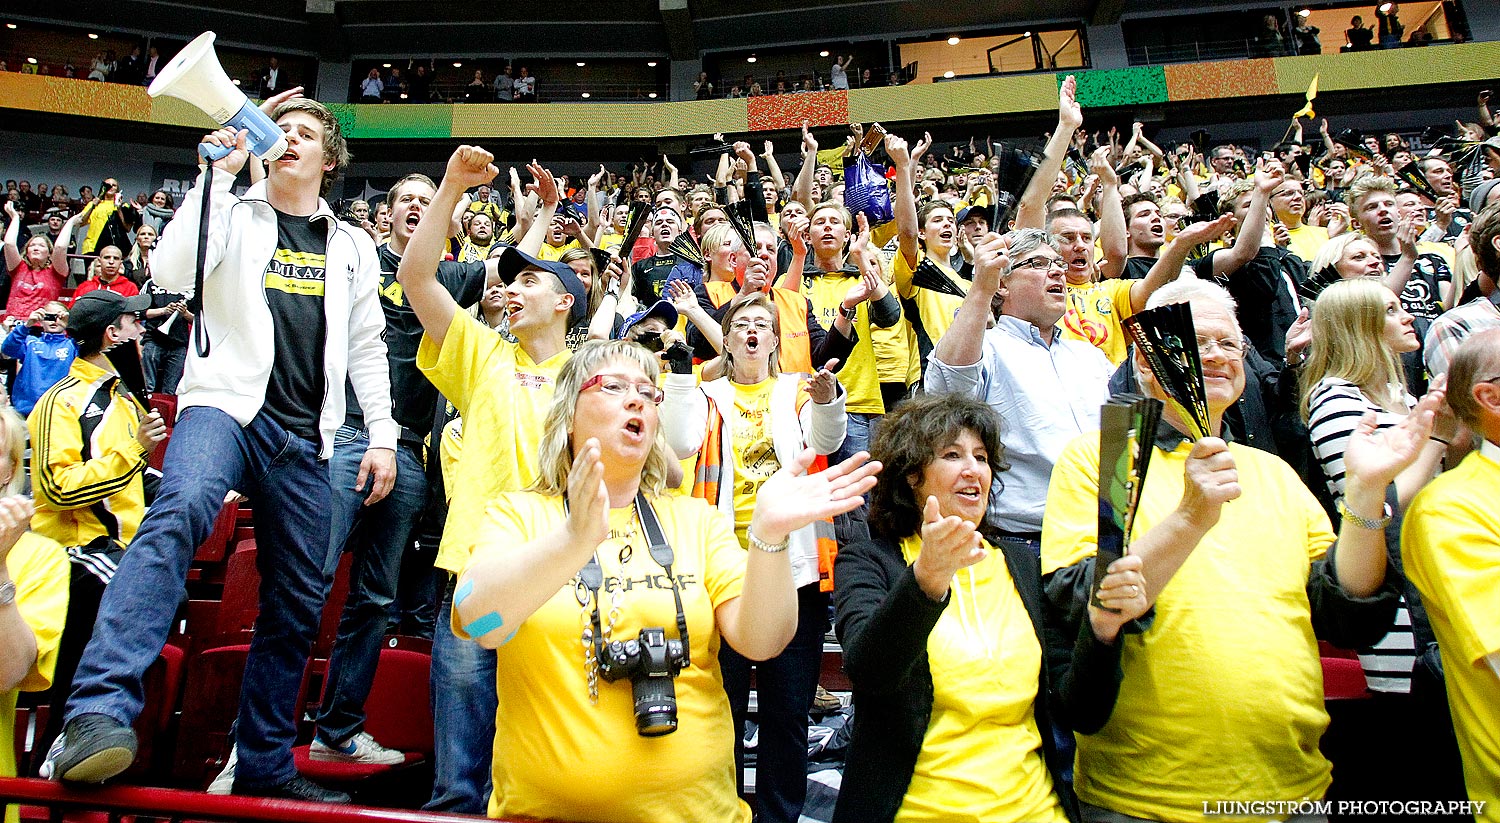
[{"x": 175, "y": 803}]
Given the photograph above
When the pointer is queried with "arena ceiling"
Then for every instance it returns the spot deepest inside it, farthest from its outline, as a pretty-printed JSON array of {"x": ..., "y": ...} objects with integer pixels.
[{"x": 682, "y": 29}]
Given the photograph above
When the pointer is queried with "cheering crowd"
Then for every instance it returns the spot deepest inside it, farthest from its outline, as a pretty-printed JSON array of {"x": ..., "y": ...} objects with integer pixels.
[{"x": 664, "y": 431}]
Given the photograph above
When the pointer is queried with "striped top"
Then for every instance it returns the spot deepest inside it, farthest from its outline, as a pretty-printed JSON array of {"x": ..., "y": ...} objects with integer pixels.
[{"x": 1335, "y": 407}]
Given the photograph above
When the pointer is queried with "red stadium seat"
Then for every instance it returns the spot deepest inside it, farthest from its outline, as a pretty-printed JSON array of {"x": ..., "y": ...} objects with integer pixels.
[{"x": 399, "y": 716}]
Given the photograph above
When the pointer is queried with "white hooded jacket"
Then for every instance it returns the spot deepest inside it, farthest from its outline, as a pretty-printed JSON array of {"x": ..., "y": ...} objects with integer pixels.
[{"x": 241, "y": 240}]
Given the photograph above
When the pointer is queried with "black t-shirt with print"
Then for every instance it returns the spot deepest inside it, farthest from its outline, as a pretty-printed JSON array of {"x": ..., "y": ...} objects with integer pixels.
[
  {"x": 413, "y": 398},
  {"x": 1422, "y": 297},
  {"x": 294, "y": 281}
]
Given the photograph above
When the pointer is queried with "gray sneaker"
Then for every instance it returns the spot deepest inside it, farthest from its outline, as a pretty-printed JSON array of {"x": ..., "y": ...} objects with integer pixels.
[
  {"x": 361, "y": 748},
  {"x": 92, "y": 748}
]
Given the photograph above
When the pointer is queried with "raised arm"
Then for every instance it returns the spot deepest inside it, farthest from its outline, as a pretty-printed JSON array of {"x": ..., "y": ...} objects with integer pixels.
[
  {"x": 667, "y": 166},
  {"x": 12, "y": 233},
  {"x": 1112, "y": 240},
  {"x": 773, "y": 168},
  {"x": 1031, "y": 211},
  {"x": 802, "y": 186},
  {"x": 1252, "y": 233},
  {"x": 595, "y": 204},
  {"x": 434, "y": 305},
  {"x": 545, "y": 188},
  {"x": 906, "y": 199},
  {"x": 963, "y": 343},
  {"x": 60, "y": 248},
  {"x": 1173, "y": 257}
]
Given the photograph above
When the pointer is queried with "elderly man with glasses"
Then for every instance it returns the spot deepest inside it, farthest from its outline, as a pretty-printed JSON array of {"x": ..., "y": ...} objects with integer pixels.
[
  {"x": 1047, "y": 388},
  {"x": 1221, "y": 698}
]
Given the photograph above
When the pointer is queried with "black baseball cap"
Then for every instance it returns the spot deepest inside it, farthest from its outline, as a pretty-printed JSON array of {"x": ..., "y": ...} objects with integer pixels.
[
  {"x": 96, "y": 311},
  {"x": 513, "y": 261}
]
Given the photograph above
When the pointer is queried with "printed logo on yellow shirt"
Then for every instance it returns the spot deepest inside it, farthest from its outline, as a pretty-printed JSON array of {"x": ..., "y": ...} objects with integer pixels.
[{"x": 296, "y": 272}]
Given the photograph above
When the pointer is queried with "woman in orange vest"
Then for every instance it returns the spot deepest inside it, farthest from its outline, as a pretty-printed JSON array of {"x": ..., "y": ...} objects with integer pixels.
[
  {"x": 743, "y": 427},
  {"x": 730, "y": 271}
]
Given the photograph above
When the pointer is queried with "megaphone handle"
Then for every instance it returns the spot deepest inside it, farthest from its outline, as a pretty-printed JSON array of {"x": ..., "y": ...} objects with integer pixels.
[{"x": 213, "y": 151}]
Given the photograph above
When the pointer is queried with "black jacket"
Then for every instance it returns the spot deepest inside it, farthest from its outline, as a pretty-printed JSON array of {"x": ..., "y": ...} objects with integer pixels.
[{"x": 884, "y": 619}]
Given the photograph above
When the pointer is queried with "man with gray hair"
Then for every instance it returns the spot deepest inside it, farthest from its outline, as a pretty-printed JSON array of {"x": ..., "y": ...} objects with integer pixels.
[
  {"x": 1047, "y": 389},
  {"x": 1221, "y": 694}
]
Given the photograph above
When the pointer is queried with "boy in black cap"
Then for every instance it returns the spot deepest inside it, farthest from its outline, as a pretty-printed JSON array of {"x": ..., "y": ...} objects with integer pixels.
[{"x": 90, "y": 441}]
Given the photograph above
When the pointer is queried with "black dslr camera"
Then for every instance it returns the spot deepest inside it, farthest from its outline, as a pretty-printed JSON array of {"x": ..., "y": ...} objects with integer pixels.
[{"x": 650, "y": 661}]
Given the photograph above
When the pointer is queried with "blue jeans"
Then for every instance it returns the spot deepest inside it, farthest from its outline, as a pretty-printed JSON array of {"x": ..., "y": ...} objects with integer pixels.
[
  {"x": 162, "y": 365},
  {"x": 857, "y": 436},
  {"x": 378, "y": 535},
  {"x": 463, "y": 717},
  {"x": 208, "y": 455},
  {"x": 784, "y": 688}
]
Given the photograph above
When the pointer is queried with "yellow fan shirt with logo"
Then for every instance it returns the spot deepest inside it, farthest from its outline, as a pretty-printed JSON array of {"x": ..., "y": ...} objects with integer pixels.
[{"x": 561, "y": 756}]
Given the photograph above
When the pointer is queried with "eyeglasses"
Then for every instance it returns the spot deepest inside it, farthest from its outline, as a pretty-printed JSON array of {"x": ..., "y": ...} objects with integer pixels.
[
  {"x": 1039, "y": 264},
  {"x": 746, "y": 325},
  {"x": 1232, "y": 349},
  {"x": 620, "y": 387}
]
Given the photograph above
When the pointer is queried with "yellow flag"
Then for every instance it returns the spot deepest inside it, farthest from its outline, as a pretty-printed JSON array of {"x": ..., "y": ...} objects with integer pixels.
[
  {"x": 1312, "y": 94},
  {"x": 833, "y": 158}
]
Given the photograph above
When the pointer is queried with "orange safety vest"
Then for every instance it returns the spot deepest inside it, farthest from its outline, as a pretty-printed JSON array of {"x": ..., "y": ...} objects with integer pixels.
[
  {"x": 709, "y": 473},
  {"x": 794, "y": 352}
]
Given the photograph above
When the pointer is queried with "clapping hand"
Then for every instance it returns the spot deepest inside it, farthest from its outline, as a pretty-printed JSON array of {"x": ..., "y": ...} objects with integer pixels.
[
  {"x": 791, "y": 498},
  {"x": 823, "y": 387},
  {"x": 15, "y": 520},
  {"x": 544, "y": 184},
  {"x": 1375, "y": 456},
  {"x": 948, "y": 544},
  {"x": 588, "y": 497}
]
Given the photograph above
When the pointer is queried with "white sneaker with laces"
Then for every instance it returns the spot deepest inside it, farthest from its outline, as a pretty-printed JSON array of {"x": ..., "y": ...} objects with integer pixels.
[
  {"x": 224, "y": 783},
  {"x": 361, "y": 748}
]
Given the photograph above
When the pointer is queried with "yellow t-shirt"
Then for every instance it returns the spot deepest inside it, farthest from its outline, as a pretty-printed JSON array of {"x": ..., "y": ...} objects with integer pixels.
[
  {"x": 559, "y": 756},
  {"x": 981, "y": 757},
  {"x": 503, "y": 398},
  {"x": 609, "y": 241},
  {"x": 97, "y": 218},
  {"x": 1451, "y": 544},
  {"x": 1094, "y": 314},
  {"x": 935, "y": 310},
  {"x": 551, "y": 252},
  {"x": 858, "y": 374},
  {"x": 1306, "y": 240},
  {"x": 39, "y": 568},
  {"x": 754, "y": 453},
  {"x": 1222, "y": 697}
]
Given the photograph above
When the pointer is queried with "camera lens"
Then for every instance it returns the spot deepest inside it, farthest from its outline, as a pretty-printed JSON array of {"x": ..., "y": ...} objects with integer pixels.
[{"x": 655, "y": 705}]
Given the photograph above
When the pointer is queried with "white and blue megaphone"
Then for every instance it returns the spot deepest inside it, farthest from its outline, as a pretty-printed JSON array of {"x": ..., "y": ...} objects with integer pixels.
[{"x": 196, "y": 77}]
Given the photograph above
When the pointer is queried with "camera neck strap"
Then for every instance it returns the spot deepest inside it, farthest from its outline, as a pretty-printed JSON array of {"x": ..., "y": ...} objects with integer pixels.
[{"x": 592, "y": 574}]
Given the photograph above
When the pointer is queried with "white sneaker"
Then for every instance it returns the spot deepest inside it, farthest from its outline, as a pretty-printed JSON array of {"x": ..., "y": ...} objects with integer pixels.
[
  {"x": 224, "y": 783},
  {"x": 361, "y": 748}
]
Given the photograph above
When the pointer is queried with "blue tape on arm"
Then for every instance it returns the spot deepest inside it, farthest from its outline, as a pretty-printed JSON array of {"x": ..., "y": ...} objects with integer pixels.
[
  {"x": 463, "y": 592},
  {"x": 483, "y": 625}
]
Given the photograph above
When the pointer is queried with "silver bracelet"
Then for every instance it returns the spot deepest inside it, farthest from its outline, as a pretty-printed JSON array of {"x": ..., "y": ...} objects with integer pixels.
[
  {"x": 1364, "y": 522},
  {"x": 768, "y": 548}
]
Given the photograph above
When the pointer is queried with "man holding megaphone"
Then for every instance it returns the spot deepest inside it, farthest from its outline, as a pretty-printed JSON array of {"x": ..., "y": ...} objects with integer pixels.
[{"x": 290, "y": 309}]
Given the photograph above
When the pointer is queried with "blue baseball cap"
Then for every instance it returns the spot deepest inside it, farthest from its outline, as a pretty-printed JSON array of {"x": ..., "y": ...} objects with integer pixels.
[
  {"x": 513, "y": 261},
  {"x": 661, "y": 308}
]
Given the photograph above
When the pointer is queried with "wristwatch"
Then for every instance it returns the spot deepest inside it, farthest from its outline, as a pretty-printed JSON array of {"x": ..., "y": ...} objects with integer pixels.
[
  {"x": 7, "y": 592},
  {"x": 1364, "y": 522},
  {"x": 849, "y": 314},
  {"x": 768, "y": 548}
]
